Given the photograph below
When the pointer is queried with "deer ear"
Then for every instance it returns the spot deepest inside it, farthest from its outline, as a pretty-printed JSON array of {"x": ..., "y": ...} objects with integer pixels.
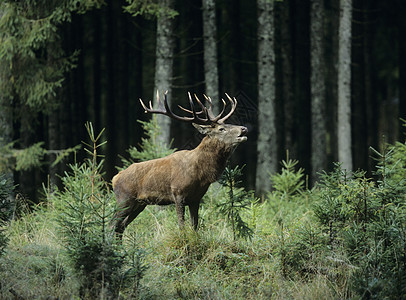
[{"x": 203, "y": 129}]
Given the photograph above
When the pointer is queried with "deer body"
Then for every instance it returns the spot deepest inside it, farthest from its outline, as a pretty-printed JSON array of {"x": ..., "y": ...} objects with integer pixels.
[{"x": 181, "y": 178}]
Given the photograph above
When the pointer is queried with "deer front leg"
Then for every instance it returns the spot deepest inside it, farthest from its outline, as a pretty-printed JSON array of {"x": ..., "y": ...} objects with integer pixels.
[{"x": 194, "y": 214}]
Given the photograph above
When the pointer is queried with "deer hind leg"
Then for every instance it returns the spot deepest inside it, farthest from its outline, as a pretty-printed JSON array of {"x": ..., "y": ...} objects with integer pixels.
[
  {"x": 180, "y": 211},
  {"x": 125, "y": 215}
]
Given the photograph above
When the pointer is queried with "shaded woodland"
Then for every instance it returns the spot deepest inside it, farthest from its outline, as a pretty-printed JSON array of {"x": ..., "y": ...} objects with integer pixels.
[{"x": 114, "y": 64}]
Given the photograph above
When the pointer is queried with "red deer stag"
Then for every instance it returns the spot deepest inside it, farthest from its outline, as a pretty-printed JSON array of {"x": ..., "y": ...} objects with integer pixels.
[{"x": 183, "y": 177}]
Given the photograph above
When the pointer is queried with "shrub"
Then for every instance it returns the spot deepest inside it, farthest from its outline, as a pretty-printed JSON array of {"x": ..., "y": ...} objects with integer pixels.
[
  {"x": 236, "y": 200},
  {"x": 367, "y": 220},
  {"x": 5, "y": 208},
  {"x": 84, "y": 211}
]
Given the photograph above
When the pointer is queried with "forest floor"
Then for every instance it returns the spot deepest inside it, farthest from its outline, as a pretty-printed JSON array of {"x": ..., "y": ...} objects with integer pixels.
[{"x": 174, "y": 263}]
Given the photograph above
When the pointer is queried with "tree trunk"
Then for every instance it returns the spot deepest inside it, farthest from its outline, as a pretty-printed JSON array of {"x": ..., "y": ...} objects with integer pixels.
[
  {"x": 267, "y": 162},
  {"x": 210, "y": 52},
  {"x": 317, "y": 88},
  {"x": 287, "y": 78},
  {"x": 344, "y": 85},
  {"x": 164, "y": 66}
]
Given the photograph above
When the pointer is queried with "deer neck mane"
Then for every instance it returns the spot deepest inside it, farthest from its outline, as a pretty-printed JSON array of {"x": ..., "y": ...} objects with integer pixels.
[{"x": 212, "y": 157}]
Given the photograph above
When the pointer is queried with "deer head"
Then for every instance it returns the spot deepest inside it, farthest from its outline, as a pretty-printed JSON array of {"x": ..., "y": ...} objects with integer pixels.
[{"x": 204, "y": 120}]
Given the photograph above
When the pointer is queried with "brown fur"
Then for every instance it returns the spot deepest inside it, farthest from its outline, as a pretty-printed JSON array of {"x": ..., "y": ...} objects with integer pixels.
[{"x": 181, "y": 178}]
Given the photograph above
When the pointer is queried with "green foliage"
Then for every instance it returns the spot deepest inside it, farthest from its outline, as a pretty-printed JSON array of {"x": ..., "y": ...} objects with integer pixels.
[
  {"x": 40, "y": 271},
  {"x": 5, "y": 208},
  {"x": 235, "y": 201},
  {"x": 85, "y": 209},
  {"x": 32, "y": 62},
  {"x": 33, "y": 65},
  {"x": 30, "y": 157},
  {"x": 5, "y": 193},
  {"x": 135, "y": 267},
  {"x": 301, "y": 248},
  {"x": 149, "y": 9},
  {"x": 151, "y": 146},
  {"x": 367, "y": 220},
  {"x": 289, "y": 182},
  {"x": 289, "y": 200}
]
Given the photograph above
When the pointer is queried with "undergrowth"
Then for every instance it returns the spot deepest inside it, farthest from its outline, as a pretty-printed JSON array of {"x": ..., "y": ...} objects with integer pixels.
[{"x": 343, "y": 239}]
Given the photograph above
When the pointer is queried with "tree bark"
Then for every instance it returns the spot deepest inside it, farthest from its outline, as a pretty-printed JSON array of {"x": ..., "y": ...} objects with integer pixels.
[
  {"x": 344, "y": 86},
  {"x": 287, "y": 78},
  {"x": 164, "y": 66},
  {"x": 267, "y": 162},
  {"x": 211, "y": 77},
  {"x": 317, "y": 89}
]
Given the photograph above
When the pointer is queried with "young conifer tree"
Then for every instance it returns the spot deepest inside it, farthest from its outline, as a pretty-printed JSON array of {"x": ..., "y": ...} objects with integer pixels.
[
  {"x": 235, "y": 202},
  {"x": 85, "y": 208}
]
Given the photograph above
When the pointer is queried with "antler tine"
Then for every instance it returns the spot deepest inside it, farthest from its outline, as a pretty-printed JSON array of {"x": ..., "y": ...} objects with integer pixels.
[
  {"x": 204, "y": 108},
  {"x": 209, "y": 109},
  {"x": 150, "y": 109},
  {"x": 203, "y": 111},
  {"x": 192, "y": 106},
  {"x": 197, "y": 119},
  {"x": 165, "y": 110},
  {"x": 171, "y": 114},
  {"x": 189, "y": 111},
  {"x": 233, "y": 102}
]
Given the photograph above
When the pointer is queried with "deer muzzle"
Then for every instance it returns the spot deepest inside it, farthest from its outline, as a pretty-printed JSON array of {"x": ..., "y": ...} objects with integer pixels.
[{"x": 243, "y": 134}]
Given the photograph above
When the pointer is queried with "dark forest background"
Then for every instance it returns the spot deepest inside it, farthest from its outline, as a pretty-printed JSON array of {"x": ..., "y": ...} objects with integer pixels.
[{"x": 114, "y": 66}]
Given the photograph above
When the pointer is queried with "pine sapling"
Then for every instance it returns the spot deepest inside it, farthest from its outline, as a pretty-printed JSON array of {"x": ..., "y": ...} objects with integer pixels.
[{"x": 236, "y": 200}]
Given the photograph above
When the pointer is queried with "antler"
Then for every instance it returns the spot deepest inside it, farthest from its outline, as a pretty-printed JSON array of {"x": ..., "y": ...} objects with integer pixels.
[{"x": 203, "y": 117}]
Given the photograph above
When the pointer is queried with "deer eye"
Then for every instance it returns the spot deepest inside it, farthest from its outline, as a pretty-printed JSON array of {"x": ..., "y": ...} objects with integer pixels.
[{"x": 222, "y": 129}]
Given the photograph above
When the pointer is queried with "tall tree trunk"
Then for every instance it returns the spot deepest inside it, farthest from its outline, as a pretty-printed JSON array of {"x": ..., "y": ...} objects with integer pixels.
[
  {"x": 287, "y": 78},
  {"x": 344, "y": 85},
  {"x": 211, "y": 77},
  {"x": 267, "y": 162},
  {"x": 317, "y": 88},
  {"x": 164, "y": 66}
]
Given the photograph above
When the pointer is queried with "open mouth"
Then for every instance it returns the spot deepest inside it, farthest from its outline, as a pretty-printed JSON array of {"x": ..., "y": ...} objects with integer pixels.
[{"x": 242, "y": 137}]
